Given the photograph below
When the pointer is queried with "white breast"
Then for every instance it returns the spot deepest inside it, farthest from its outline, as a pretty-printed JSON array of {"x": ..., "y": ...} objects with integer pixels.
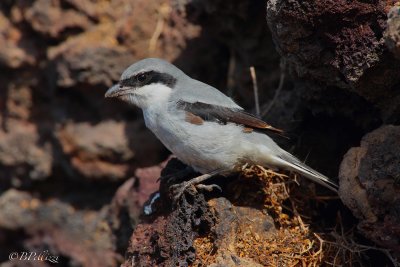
[{"x": 205, "y": 147}]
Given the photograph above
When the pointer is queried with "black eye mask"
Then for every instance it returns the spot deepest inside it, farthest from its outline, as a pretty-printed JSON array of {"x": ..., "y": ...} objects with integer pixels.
[{"x": 148, "y": 77}]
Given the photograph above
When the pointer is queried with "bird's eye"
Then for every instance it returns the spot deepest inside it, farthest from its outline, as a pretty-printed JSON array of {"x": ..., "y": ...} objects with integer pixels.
[{"x": 141, "y": 77}]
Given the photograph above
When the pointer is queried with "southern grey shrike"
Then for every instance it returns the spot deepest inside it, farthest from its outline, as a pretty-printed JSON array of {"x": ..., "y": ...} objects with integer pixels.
[{"x": 203, "y": 127}]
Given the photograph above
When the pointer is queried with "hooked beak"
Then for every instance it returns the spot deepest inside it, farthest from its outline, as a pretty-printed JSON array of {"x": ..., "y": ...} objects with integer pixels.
[
  {"x": 116, "y": 91},
  {"x": 113, "y": 91}
]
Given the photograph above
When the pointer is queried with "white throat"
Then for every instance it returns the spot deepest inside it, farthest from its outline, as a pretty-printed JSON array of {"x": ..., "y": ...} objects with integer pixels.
[{"x": 149, "y": 95}]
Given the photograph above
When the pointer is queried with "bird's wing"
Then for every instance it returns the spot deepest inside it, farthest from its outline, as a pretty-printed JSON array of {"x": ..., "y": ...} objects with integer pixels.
[
  {"x": 191, "y": 90},
  {"x": 221, "y": 114}
]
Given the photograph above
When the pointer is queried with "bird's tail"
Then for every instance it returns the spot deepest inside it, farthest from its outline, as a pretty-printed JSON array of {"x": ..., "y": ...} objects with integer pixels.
[{"x": 288, "y": 161}]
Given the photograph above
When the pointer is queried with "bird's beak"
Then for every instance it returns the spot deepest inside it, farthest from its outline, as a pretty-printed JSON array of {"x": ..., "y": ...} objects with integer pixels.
[{"x": 113, "y": 91}]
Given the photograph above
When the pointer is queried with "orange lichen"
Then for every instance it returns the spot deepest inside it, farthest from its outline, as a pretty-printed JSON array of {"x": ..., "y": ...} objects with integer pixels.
[
  {"x": 204, "y": 251},
  {"x": 291, "y": 242}
]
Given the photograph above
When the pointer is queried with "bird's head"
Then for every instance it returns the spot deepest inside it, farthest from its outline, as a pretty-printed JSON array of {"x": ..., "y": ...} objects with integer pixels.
[{"x": 146, "y": 83}]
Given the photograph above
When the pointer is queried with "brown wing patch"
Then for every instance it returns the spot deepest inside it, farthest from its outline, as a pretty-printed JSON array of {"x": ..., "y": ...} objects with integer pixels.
[
  {"x": 193, "y": 119},
  {"x": 247, "y": 119},
  {"x": 247, "y": 130},
  {"x": 208, "y": 112}
]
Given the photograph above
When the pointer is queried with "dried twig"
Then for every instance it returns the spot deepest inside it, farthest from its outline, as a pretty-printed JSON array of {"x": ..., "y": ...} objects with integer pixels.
[
  {"x": 255, "y": 89},
  {"x": 294, "y": 243},
  {"x": 163, "y": 13},
  {"x": 346, "y": 248}
]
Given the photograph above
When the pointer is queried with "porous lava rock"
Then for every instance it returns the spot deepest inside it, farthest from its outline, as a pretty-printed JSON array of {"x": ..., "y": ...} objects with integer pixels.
[
  {"x": 339, "y": 46},
  {"x": 370, "y": 185}
]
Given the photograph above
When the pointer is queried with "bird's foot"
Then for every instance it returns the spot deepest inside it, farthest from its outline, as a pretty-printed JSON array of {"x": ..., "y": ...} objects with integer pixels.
[{"x": 179, "y": 189}]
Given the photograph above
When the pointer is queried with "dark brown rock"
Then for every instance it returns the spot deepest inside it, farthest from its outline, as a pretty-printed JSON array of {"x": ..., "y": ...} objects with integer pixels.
[
  {"x": 392, "y": 32},
  {"x": 244, "y": 225},
  {"x": 60, "y": 142},
  {"x": 228, "y": 234},
  {"x": 23, "y": 158},
  {"x": 67, "y": 231},
  {"x": 127, "y": 204},
  {"x": 90, "y": 58},
  {"x": 167, "y": 240},
  {"x": 297, "y": 28},
  {"x": 104, "y": 150},
  {"x": 19, "y": 102},
  {"x": 60, "y": 228},
  {"x": 13, "y": 53},
  {"x": 369, "y": 185},
  {"x": 44, "y": 17},
  {"x": 166, "y": 34},
  {"x": 97, "y": 151},
  {"x": 338, "y": 45}
]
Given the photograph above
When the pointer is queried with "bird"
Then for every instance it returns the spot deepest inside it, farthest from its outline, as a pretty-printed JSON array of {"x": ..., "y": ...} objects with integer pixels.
[{"x": 201, "y": 126}]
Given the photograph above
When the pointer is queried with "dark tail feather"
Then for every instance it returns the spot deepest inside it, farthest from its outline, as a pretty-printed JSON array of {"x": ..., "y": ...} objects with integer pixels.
[{"x": 292, "y": 163}]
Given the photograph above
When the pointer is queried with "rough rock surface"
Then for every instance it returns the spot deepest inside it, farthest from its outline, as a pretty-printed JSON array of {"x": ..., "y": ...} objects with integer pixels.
[
  {"x": 61, "y": 142},
  {"x": 59, "y": 228},
  {"x": 370, "y": 185},
  {"x": 342, "y": 57},
  {"x": 339, "y": 45},
  {"x": 37, "y": 224},
  {"x": 22, "y": 155},
  {"x": 104, "y": 150},
  {"x": 90, "y": 152},
  {"x": 244, "y": 225},
  {"x": 392, "y": 32}
]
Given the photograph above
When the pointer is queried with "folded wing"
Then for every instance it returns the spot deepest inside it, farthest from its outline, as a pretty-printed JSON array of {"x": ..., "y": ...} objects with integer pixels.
[{"x": 209, "y": 112}]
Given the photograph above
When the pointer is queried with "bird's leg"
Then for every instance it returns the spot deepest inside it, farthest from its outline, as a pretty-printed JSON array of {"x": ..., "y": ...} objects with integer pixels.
[
  {"x": 179, "y": 189},
  {"x": 176, "y": 176}
]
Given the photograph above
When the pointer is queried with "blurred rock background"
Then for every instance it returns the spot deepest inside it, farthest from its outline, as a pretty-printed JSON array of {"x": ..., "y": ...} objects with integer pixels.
[{"x": 75, "y": 169}]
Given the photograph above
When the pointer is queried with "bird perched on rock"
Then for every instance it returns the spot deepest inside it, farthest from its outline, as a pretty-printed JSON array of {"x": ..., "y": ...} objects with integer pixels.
[{"x": 203, "y": 127}]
